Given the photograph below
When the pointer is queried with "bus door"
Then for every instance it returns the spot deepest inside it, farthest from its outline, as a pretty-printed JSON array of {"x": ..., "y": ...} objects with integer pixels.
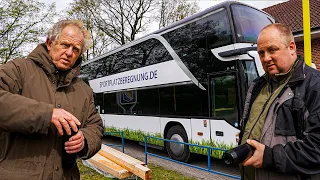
[{"x": 224, "y": 105}]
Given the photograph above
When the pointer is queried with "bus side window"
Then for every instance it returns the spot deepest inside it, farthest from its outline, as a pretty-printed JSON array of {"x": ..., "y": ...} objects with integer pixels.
[
  {"x": 110, "y": 104},
  {"x": 224, "y": 98},
  {"x": 98, "y": 100}
]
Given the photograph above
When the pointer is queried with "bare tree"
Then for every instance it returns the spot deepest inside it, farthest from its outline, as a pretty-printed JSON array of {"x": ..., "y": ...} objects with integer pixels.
[
  {"x": 22, "y": 22},
  {"x": 171, "y": 11},
  {"x": 100, "y": 40},
  {"x": 121, "y": 20}
]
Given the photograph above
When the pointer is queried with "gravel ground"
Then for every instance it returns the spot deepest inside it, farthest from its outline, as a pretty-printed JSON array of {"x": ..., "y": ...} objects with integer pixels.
[{"x": 135, "y": 150}]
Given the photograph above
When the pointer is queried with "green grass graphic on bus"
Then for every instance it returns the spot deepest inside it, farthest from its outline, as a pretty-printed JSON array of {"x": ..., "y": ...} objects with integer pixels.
[{"x": 138, "y": 135}]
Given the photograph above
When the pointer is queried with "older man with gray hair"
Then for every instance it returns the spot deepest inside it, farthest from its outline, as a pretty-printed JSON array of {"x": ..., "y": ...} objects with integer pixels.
[{"x": 48, "y": 117}]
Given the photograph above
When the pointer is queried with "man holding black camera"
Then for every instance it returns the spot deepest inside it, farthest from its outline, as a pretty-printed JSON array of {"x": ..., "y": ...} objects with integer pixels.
[{"x": 282, "y": 112}]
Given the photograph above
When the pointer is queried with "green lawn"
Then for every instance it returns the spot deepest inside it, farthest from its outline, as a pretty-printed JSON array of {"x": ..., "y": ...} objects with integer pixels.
[{"x": 157, "y": 172}]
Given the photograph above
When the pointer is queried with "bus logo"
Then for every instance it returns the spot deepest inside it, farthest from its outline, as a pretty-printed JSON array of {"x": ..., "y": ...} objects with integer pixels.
[{"x": 128, "y": 97}]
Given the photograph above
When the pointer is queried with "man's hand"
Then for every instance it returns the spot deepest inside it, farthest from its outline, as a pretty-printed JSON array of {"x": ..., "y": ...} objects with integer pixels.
[
  {"x": 256, "y": 159},
  {"x": 75, "y": 143},
  {"x": 63, "y": 119}
]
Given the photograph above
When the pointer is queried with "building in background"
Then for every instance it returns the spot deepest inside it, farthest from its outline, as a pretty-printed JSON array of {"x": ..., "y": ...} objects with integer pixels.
[{"x": 290, "y": 13}]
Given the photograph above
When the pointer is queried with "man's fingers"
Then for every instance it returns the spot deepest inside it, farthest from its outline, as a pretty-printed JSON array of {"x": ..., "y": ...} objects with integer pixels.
[
  {"x": 257, "y": 158},
  {"x": 252, "y": 142},
  {"x": 72, "y": 143},
  {"x": 77, "y": 138},
  {"x": 73, "y": 125},
  {"x": 65, "y": 125},
  {"x": 57, "y": 124},
  {"x": 75, "y": 149},
  {"x": 75, "y": 143},
  {"x": 62, "y": 119},
  {"x": 72, "y": 117}
]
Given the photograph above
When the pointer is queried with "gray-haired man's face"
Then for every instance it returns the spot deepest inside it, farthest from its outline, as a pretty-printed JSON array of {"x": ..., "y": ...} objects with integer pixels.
[{"x": 67, "y": 48}]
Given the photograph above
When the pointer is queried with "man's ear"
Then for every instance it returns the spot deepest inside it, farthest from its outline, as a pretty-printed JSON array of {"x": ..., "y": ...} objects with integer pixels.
[
  {"x": 49, "y": 44},
  {"x": 292, "y": 47}
]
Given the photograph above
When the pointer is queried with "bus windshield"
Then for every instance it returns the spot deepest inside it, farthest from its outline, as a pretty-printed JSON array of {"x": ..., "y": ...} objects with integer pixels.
[{"x": 248, "y": 28}]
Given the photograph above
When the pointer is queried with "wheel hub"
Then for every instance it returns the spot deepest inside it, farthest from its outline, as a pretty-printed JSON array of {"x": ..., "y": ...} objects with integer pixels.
[{"x": 176, "y": 148}]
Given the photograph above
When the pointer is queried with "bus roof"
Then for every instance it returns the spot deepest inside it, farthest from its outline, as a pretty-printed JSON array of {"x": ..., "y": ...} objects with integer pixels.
[
  {"x": 200, "y": 14},
  {"x": 178, "y": 23}
]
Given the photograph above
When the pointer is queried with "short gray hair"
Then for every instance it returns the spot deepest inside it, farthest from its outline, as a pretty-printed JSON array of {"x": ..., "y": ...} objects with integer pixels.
[{"x": 54, "y": 33}]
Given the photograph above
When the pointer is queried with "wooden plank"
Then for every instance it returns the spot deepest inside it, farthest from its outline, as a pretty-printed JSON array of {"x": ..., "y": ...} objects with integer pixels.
[
  {"x": 131, "y": 164},
  {"x": 105, "y": 165}
]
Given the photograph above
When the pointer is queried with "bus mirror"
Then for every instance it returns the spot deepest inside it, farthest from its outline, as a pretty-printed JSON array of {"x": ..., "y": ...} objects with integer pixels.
[{"x": 254, "y": 55}]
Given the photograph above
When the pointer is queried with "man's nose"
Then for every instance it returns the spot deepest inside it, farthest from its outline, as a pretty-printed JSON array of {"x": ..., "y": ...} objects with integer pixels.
[
  {"x": 267, "y": 57},
  {"x": 69, "y": 51}
]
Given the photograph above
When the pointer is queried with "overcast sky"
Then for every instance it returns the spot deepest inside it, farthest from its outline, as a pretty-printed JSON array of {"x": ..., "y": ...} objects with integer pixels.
[
  {"x": 203, "y": 4},
  {"x": 61, "y": 5},
  {"x": 255, "y": 3}
]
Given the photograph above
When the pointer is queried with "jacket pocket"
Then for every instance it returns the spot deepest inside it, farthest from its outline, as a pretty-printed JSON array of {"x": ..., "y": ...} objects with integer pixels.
[
  {"x": 290, "y": 118},
  {"x": 20, "y": 168},
  {"x": 18, "y": 174}
]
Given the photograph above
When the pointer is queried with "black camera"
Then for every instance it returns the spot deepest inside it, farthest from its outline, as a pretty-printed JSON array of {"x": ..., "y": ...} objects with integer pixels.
[
  {"x": 238, "y": 154},
  {"x": 68, "y": 160}
]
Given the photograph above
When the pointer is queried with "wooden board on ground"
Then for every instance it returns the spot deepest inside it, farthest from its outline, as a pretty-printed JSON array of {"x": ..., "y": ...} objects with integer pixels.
[
  {"x": 105, "y": 165},
  {"x": 131, "y": 164}
]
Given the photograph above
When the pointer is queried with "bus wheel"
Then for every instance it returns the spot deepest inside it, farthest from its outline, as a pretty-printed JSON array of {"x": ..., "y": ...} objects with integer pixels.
[{"x": 178, "y": 151}]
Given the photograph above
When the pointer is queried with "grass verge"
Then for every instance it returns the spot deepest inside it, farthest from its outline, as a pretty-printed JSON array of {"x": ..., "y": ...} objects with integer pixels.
[{"x": 157, "y": 172}]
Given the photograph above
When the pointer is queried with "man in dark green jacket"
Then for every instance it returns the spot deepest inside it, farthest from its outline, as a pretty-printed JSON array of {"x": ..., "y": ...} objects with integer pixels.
[
  {"x": 48, "y": 117},
  {"x": 282, "y": 111}
]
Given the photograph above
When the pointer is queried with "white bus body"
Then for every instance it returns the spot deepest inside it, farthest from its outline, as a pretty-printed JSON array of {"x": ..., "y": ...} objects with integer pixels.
[{"x": 186, "y": 82}]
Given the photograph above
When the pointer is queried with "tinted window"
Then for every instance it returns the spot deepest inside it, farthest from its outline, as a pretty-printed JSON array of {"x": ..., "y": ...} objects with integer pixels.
[
  {"x": 247, "y": 27},
  {"x": 194, "y": 41},
  {"x": 168, "y": 105},
  {"x": 110, "y": 104},
  {"x": 98, "y": 101},
  {"x": 191, "y": 100},
  {"x": 208, "y": 32},
  {"x": 224, "y": 98},
  {"x": 143, "y": 54},
  {"x": 147, "y": 102},
  {"x": 187, "y": 100}
]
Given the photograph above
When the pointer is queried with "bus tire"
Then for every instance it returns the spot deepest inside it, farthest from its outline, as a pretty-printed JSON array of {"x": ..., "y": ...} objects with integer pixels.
[{"x": 178, "y": 151}]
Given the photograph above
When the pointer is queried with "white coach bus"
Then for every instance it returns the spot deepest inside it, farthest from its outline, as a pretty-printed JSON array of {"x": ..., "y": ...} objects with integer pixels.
[{"x": 185, "y": 82}]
